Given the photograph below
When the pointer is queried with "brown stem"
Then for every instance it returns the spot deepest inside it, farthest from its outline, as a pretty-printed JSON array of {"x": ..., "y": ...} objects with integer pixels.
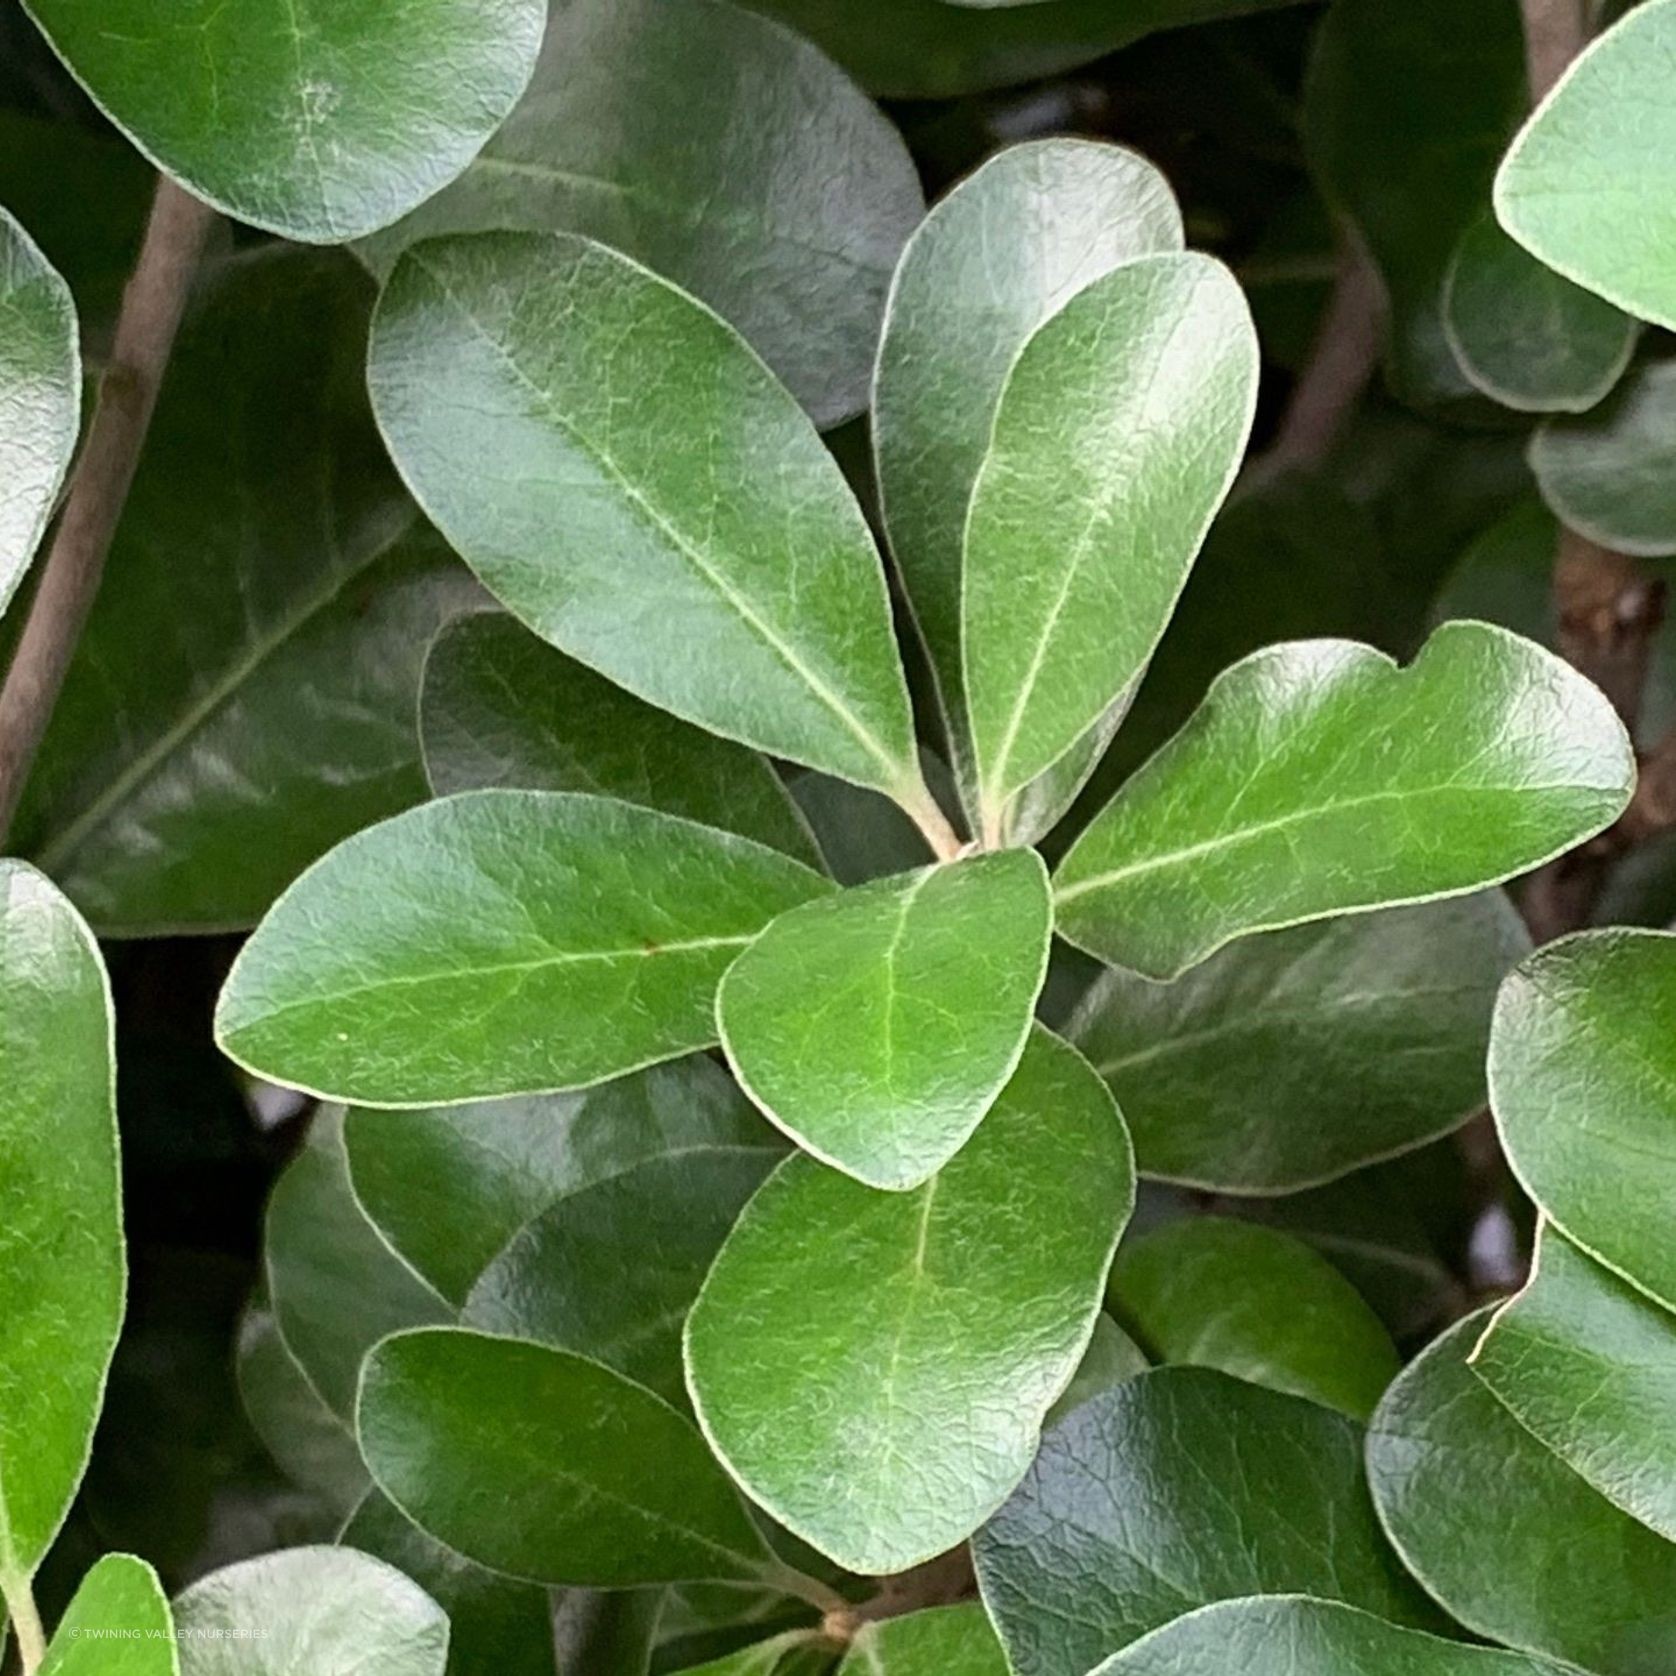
[
  {"x": 939, "y": 1582},
  {"x": 145, "y": 334},
  {"x": 1555, "y": 32}
]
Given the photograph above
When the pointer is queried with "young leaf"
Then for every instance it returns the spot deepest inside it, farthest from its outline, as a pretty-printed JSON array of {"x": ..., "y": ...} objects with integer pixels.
[
  {"x": 500, "y": 942},
  {"x": 1168, "y": 1492},
  {"x": 1608, "y": 473},
  {"x": 787, "y": 218},
  {"x": 243, "y": 695},
  {"x": 118, "y": 1624},
  {"x": 1007, "y": 248},
  {"x": 944, "y": 1641},
  {"x": 1118, "y": 433},
  {"x": 319, "y": 124},
  {"x": 611, "y": 1270},
  {"x": 914, "y": 1337},
  {"x": 1582, "y": 1060},
  {"x": 327, "y": 1611},
  {"x": 500, "y": 707},
  {"x": 544, "y": 1465},
  {"x": 450, "y": 1186},
  {"x": 694, "y": 541},
  {"x": 1292, "y": 1635},
  {"x": 1524, "y": 334},
  {"x": 1588, "y": 1364},
  {"x": 1270, "y": 808},
  {"x": 62, "y": 1272},
  {"x": 876, "y": 1027},
  {"x": 1583, "y": 186},
  {"x": 1506, "y": 1536},
  {"x": 40, "y": 397},
  {"x": 1256, "y": 1303},
  {"x": 1290, "y": 1058}
]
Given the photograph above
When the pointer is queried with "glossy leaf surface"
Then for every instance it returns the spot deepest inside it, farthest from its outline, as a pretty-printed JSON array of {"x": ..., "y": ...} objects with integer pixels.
[
  {"x": 1268, "y": 810},
  {"x": 118, "y": 1624},
  {"x": 657, "y": 492},
  {"x": 1117, "y": 435},
  {"x": 62, "y": 1269},
  {"x": 316, "y": 123},
  {"x": 1171, "y": 1491},
  {"x": 876, "y": 1027},
  {"x": 500, "y": 942},
  {"x": 40, "y": 397},
  {"x": 1376, "y": 1024},
  {"x": 547, "y": 1466},
  {"x": 787, "y": 218},
  {"x": 500, "y": 707},
  {"x": 919, "y": 1337}
]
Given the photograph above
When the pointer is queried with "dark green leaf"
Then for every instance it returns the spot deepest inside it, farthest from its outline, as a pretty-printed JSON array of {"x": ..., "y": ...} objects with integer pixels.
[
  {"x": 1269, "y": 810},
  {"x": 117, "y": 1625},
  {"x": 500, "y": 942},
  {"x": 919, "y": 1338}
]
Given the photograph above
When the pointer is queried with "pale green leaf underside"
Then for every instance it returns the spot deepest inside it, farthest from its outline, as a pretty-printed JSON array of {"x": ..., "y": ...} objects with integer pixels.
[{"x": 876, "y": 1027}]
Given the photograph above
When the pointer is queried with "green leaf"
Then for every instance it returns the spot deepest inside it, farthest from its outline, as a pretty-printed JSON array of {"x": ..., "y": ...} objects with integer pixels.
[
  {"x": 1524, "y": 334},
  {"x": 1292, "y": 1636},
  {"x": 1582, "y": 1067},
  {"x": 611, "y": 1270},
  {"x": 545, "y": 1465},
  {"x": 450, "y": 1186},
  {"x": 1258, "y": 1304},
  {"x": 1404, "y": 141},
  {"x": 62, "y": 1271},
  {"x": 337, "y": 1288},
  {"x": 944, "y": 1641},
  {"x": 1269, "y": 810},
  {"x": 243, "y": 695},
  {"x": 696, "y": 544},
  {"x": 1111, "y": 1357},
  {"x": 500, "y": 707},
  {"x": 1007, "y": 248},
  {"x": 316, "y": 123},
  {"x": 1116, "y": 438},
  {"x": 779, "y": 1655},
  {"x": 862, "y": 834},
  {"x": 1607, "y": 473},
  {"x": 1171, "y": 1491},
  {"x": 497, "y": 1626},
  {"x": 118, "y": 1624},
  {"x": 1588, "y": 1364},
  {"x": 1584, "y": 186},
  {"x": 1507, "y": 1537},
  {"x": 878, "y": 1026},
  {"x": 913, "y": 1336},
  {"x": 787, "y": 218},
  {"x": 500, "y": 942},
  {"x": 40, "y": 397},
  {"x": 362, "y": 1618},
  {"x": 1290, "y": 1058}
]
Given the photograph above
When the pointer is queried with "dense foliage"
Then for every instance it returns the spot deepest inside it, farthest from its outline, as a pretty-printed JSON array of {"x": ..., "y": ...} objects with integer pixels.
[{"x": 836, "y": 838}]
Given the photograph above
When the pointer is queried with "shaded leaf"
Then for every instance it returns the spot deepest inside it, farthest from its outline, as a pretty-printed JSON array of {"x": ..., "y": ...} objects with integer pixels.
[{"x": 1111, "y": 1357}]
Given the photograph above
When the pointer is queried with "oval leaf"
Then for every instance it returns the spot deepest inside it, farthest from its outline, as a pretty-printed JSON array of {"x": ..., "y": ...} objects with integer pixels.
[
  {"x": 363, "y": 1618},
  {"x": 1007, "y": 248},
  {"x": 946, "y": 1641},
  {"x": 1269, "y": 808},
  {"x": 695, "y": 542},
  {"x": 1118, "y": 434},
  {"x": 1258, "y": 1304},
  {"x": 118, "y": 1624},
  {"x": 500, "y": 942},
  {"x": 1584, "y": 186},
  {"x": 1506, "y": 1536},
  {"x": 787, "y": 218},
  {"x": 500, "y": 707},
  {"x": 62, "y": 1271},
  {"x": 913, "y": 1336},
  {"x": 316, "y": 122},
  {"x": 1170, "y": 1491},
  {"x": 40, "y": 397},
  {"x": 1290, "y": 1058},
  {"x": 544, "y": 1465},
  {"x": 876, "y": 1027}
]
